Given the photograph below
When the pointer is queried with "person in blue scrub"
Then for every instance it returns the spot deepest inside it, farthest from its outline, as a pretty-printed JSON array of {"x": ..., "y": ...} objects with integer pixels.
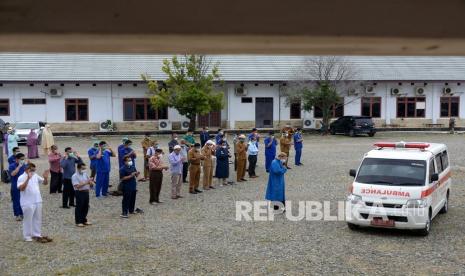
[
  {"x": 126, "y": 151},
  {"x": 270, "y": 150},
  {"x": 92, "y": 152},
  {"x": 298, "y": 145},
  {"x": 103, "y": 168},
  {"x": 219, "y": 136},
  {"x": 275, "y": 190},
  {"x": 12, "y": 159},
  {"x": 128, "y": 176},
  {"x": 16, "y": 169}
]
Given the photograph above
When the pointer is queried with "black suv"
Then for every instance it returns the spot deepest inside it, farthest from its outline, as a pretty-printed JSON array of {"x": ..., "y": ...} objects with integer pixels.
[{"x": 353, "y": 125}]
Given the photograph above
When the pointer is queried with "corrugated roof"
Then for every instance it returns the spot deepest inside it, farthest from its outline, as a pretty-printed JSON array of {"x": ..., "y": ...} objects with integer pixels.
[{"x": 122, "y": 67}]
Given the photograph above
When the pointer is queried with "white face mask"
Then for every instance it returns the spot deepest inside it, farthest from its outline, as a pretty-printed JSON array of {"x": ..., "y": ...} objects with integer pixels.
[
  {"x": 282, "y": 160},
  {"x": 160, "y": 156},
  {"x": 83, "y": 171},
  {"x": 130, "y": 163}
]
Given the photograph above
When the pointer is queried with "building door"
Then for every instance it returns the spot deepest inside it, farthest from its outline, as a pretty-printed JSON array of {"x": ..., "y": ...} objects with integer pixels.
[
  {"x": 213, "y": 119},
  {"x": 263, "y": 112}
]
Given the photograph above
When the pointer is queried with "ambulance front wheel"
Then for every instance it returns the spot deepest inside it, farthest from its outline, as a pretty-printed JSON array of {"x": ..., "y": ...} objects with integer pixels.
[
  {"x": 352, "y": 226},
  {"x": 425, "y": 231}
]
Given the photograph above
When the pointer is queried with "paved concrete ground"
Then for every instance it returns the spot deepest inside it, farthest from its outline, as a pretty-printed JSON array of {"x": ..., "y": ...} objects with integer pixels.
[{"x": 199, "y": 234}]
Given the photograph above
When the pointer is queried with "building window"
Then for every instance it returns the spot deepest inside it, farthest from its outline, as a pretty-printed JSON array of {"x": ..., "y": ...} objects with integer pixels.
[
  {"x": 34, "y": 101},
  {"x": 337, "y": 110},
  {"x": 140, "y": 109},
  {"x": 296, "y": 109},
  {"x": 77, "y": 109},
  {"x": 411, "y": 107},
  {"x": 4, "y": 107},
  {"x": 246, "y": 100},
  {"x": 371, "y": 106},
  {"x": 450, "y": 106}
]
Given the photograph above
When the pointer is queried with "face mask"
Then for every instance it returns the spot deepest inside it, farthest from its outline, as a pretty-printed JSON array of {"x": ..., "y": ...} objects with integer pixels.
[
  {"x": 96, "y": 146},
  {"x": 130, "y": 163},
  {"x": 197, "y": 149},
  {"x": 32, "y": 171},
  {"x": 282, "y": 160},
  {"x": 224, "y": 147},
  {"x": 71, "y": 155},
  {"x": 22, "y": 162},
  {"x": 175, "y": 138},
  {"x": 160, "y": 156},
  {"x": 83, "y": 171}
]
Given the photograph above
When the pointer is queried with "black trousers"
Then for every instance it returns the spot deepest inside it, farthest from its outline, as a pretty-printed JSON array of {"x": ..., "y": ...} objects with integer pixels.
[
  {"x": 185, "y": 170},
  {"x": 129, "y": 200},
  {"x": 82, "y": 206},
  {"x": 252, "y": 165},
  {"x": 68, "y": 193},
  {"x": 56, "y": 182},
  {"x": 235, "y": 161},
  {"x": 156, "y": 179}
]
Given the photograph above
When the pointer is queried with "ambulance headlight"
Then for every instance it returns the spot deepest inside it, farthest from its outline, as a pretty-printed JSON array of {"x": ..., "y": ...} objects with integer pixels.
[
  {"x": 354, "y": 199},
  {"x": 416, "y": 203}
]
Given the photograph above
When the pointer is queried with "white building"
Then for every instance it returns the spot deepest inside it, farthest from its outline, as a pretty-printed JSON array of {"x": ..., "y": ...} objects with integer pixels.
[{"x": 75, "y": 92}]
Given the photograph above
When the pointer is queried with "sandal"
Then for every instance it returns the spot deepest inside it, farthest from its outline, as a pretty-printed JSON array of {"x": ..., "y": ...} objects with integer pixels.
[{"x": 47, "y": 239}]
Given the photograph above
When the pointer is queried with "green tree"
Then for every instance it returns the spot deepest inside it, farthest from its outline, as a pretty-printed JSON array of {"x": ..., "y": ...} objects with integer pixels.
[{"x": 189, "y": 87}]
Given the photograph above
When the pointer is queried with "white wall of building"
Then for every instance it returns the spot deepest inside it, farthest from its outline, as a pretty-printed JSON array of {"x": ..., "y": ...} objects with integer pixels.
[{"x": 106, "y": 101}]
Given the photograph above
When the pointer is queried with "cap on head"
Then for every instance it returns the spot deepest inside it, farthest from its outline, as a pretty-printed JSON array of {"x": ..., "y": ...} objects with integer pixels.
[
  {"x": 242, "y": 136},
  {"x": 209, "y": 142}
]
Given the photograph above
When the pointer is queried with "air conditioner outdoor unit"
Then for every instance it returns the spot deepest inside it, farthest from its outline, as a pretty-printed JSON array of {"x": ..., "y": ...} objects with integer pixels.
[
  {"x": 106, "y": 125},
  {"x": 240, "y": 91},
  {"x": 164, "y": 125},
  {"x": 55, "y": 92},
  {"x": 311, "y": 124},
  {"x": 395, "y": 91},
  {"x": 447, "y": 91},
  {"x": 352, "y": 92},
  {"x": 420, "y": 91},
  {"x": 369, "y": 90},
  {"x": 185, "y": 125}
]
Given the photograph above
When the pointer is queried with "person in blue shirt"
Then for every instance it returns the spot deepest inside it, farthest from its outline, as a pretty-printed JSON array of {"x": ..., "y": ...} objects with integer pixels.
[
  {"x": 92, "y": 152},
  {"x": 103, "y": 168},
  {"x": 298, "y": 145},
  {"x": 12, "y": 159},
  {"x": 128, "y": 176},
  {"x": 252, "y": 151},
  {"x": 255, "y": 134},
  {"x": 70, "y": 159},
  {"x": 15, "y": 170},
  {"x": 123, "y": 142},
  {"x": 270, "y": 150},
  {"x": 275, "y": 190},
  {"x": 204, "y": 136},
  {"x": 126, "y": 151},
  {"x": 219, "y": 136}
]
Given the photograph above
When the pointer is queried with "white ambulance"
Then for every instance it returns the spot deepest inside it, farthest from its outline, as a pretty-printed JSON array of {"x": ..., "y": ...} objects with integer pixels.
[{"x": 400, "y": 185}]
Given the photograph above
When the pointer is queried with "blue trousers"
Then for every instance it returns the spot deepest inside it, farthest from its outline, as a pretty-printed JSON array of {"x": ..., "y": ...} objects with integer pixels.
[
  {"x": 268, "y": 160},
  {"x": 101, "y": 183},
  {"x": 15, "y": 196},
  {"x": 298, "y": 155},
  {"x": 129, "y": 200}
]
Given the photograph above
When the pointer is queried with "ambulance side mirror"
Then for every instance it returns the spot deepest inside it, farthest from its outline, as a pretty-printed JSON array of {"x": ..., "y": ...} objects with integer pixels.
[
  {"x": 434, "y": 177},
  {"x": 353, "y": 172}
]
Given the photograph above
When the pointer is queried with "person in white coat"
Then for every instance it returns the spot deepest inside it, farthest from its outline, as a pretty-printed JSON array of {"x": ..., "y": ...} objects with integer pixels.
[{"x": 31, "y": 203}]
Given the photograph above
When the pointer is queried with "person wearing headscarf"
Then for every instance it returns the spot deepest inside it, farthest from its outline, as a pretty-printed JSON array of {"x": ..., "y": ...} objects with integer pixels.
[
  {"x": 275, "y": 190},
  {"x": 12, "y": 140},
  {"x": 32, "y": 142},
  {"x": 222, "y": 163},
  {"x": 47, "y": 139},
  {"x": 241, "y": 148}
]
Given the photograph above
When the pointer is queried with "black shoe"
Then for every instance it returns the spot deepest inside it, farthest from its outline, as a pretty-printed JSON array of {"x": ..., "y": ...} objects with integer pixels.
[
  {"x": 243, "y": 179},
  {"x": 140, "y": 211},
  {"x": 288, "y": 168},
  {"x": 211, "y": 187},
  {"x": 65, "y": 207},
  {"x": 194, "y": 193},
  {"x": 198, "y": 191},
  {"x": 72, "y": 205}
]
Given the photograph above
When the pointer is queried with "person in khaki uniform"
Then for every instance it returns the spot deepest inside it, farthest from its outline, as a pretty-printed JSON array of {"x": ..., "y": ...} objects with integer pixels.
[
  {"x": 241, "y": 148},
  {"x": 208, "y": 151},
  {"x": 194, "y": 156},
  {"x": 285, "y": 143},
  {"x": 146, "y": 143}
]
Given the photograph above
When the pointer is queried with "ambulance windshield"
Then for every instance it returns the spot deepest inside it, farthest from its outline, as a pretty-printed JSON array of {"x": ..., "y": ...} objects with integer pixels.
[{"x": 395, "y": 172}]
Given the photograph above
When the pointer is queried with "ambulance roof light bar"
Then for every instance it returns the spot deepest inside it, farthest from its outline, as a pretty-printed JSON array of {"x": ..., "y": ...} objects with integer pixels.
[{"x": 402, "y": 144}]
